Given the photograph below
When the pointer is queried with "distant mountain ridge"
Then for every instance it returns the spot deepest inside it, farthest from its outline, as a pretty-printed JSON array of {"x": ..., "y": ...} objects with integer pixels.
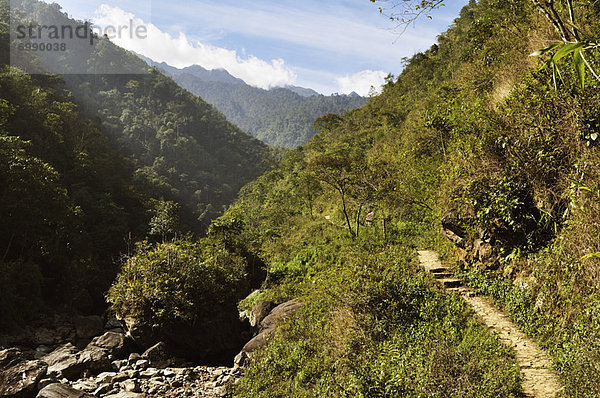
[
  {"x": 282, "y": 116},
  {"x": 214, "y": 75},
  {"x": 304, "y": 92}
]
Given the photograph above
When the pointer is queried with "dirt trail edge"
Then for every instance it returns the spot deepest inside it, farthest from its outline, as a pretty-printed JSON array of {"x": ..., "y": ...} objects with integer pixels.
[{"x": 539, "y": 378}]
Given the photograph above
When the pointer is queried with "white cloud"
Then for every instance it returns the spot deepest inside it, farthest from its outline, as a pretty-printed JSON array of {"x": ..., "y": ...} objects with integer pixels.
[
  {"x": 352, "y": 32},
  {"x": 362, "y": 82},
  {"x": 181, "y": 52},
  {"x": 336, "y": 40}
]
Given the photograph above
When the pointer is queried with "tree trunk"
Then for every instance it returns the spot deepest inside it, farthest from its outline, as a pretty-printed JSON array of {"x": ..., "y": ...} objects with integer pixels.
[
  {"x": 358, "y": 218},
  {"x": 345, "y": 211}
]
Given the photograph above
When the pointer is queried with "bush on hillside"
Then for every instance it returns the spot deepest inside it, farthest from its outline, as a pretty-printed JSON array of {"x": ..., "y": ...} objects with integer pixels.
[{"x": 178, "y": 281}]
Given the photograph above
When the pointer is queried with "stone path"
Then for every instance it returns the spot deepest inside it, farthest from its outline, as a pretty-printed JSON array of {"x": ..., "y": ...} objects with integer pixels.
[{"x": 539, "y": 377}]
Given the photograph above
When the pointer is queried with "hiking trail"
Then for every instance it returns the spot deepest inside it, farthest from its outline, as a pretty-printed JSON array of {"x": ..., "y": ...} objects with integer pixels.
[{"x": 539, "y": 378}]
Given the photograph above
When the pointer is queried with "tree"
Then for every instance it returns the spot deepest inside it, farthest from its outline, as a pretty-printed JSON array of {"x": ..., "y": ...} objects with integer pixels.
[
  {"x": 405, "y": 12},
  {"x": 561, "y": 14},
  {"x": 187, "y": 281},
  {"x": 165, "y": 221},
  {"x": 34, "y": 206},
  {"x": 336, "y": 171}
]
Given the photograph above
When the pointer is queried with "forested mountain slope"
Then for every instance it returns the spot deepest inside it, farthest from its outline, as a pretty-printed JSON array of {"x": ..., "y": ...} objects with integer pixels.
[
  {"x": 88, "y": 160},
  {"x": 182, "y": 148},
  {"x": 68, "y": 200},
  {"x": 280, "y": 116}
]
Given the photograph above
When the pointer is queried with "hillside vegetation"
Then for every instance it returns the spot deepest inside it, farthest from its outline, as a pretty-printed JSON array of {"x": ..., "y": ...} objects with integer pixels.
[
  {"x": 89, "y": 164},
  {"x": 477, "y": 136},
  {"x": 181, "y": 148}
]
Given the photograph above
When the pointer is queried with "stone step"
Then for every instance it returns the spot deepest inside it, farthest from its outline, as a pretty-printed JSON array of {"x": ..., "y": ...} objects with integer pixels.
[
  {"x": 463, "y": 291},
  {"x": 438, "y": 270},
  {"x": 451, "y": 282},
  {"x": 443, "y": 275}
]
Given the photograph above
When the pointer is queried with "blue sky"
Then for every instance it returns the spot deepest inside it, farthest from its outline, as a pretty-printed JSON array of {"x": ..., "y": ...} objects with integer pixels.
[{"x": 333, "y": 46}]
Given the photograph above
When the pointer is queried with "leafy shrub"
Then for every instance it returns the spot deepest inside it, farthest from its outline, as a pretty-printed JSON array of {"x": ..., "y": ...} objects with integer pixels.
[
  {"x": 508, "y": 210},
  {"x": 179, "y": 281}
]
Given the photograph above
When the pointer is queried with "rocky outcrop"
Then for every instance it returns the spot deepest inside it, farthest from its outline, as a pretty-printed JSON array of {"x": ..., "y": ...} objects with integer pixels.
[
  {"x": 158, "y": 355},
  {"x": 20, "y": 378},
  {"x": 106, "y": 368},
  {"x": 475, "y": 248},
  {"x": 111, "y": 343},
  {"x": 260, "y": 311},
  {"x": 68, "y": 362},
  {"x": 137, "y": 378},
  {"x": 63, "y": 362},
  {"x": 266, "y": 328},
  {"x": 452, "y": 228},
  {"x": 277, "y": 315},
  {"x": 57, "y": 390},
  {"x": 9, "y": 357}
]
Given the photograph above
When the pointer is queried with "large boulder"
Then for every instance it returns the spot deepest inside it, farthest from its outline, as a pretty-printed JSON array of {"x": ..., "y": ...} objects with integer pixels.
[
  {"x": 95, "y": 359},
  {"x": 20, "y": 380},
  {"x": 277, "y": 315},
  {"x": 267, "y": 327},
  {"x": 101, "y": 351},
  {"x": 57, "y": 390},
  {"x": 9, "y": 357},
  {"x": 111, "y": 342},
  {"x": 159, "y": 355},
  {"x": 260, "y": 312},
  {"x": 64, "y": 362},
  {"x": 67, "y": 361}
]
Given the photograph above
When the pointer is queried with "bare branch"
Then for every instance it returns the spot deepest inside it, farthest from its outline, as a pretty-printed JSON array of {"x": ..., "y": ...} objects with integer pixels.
[
  {"x": 406, "y": 12},
  {"x": 547, "y": 8},
  {"x": 572, "y": 18}
]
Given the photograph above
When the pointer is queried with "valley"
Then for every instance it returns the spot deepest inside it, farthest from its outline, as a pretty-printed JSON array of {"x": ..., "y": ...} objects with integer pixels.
[{"x": 172, "y": 232}]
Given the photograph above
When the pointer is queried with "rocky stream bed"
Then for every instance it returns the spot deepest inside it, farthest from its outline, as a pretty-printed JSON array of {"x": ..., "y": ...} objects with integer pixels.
[{"x": 88, "y": 356}]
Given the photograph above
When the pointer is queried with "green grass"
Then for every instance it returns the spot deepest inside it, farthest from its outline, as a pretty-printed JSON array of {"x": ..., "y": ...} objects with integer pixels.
[{"x": 375, "y": 326}]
